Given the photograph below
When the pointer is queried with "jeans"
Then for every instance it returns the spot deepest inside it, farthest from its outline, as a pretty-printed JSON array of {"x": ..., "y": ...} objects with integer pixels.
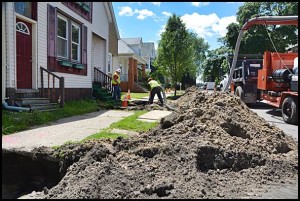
[
  {"x": 155, "y": 90},
  {"x": 117, "y": 92}
]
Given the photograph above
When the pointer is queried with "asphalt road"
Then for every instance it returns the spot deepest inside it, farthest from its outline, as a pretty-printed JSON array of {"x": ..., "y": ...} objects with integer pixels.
[{"x": 273, "y": 116}]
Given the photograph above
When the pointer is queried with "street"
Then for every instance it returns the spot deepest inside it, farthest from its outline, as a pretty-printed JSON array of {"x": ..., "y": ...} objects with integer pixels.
[{"x": 273, "y": 116}]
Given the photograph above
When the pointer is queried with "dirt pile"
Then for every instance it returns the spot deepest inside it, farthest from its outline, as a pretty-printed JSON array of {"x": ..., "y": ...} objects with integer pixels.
[{"x": 212, "y": 146}]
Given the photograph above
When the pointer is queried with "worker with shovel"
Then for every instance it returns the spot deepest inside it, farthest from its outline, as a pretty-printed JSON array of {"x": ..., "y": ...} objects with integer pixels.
[{"x": 155, "y": 89}]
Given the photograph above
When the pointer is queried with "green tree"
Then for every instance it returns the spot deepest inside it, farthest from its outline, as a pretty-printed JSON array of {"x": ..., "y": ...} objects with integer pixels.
[
  {"x": 200, "y": 47},
  {"x": 258, "y": 38},
  {"x": 175, "y": 51},
  {"x": 215, "y": 65}
]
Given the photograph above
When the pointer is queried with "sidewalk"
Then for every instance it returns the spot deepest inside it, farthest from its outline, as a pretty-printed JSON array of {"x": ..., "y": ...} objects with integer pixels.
[{"x": 69, "y": 129}]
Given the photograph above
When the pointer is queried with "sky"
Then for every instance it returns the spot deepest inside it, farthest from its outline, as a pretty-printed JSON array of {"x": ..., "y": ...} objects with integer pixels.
[{"x": 148, "y": 19}]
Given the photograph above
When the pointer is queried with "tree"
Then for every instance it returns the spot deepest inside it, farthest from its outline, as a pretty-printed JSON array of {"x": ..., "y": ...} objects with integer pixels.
[
  {"x": 175, "y": 51},
  {"x": 258, "y": 38},
  {"x": 216, "y": 65},
  {"x": 200, "y": 47}
]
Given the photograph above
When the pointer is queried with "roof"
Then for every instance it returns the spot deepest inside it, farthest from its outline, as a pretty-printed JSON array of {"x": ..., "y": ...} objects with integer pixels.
[
  {"x": 123, "y": 48},
  {"x": 132, "y": 41}
]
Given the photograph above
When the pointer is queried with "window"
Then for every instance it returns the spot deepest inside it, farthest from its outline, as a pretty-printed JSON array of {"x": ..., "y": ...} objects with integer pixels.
[
  {"x": 23, "y": 8},
  {"x": 62, "y": 37},
  {"x": 75, "y": 42},
  {"x": 66, "y": 44},
  {"x": 84, "y": 9},
  {"x": 27, "y": 9},
  {"x": 22, "y": 27}
]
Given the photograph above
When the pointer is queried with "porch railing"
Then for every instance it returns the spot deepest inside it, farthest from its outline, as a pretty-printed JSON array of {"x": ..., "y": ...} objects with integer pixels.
[
  {"x": 50, "y": 91},
  {"x": 103, "y": 79}
]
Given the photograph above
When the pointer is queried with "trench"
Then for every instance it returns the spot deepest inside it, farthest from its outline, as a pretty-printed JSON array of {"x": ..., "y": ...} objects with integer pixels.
[{"x": 21, "y": 174}]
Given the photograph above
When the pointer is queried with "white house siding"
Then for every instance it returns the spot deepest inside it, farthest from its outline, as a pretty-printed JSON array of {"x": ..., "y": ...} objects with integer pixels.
[
  {"x": 10, "y": 44},
  {"x": 3, "y": 53},
  {"x": 98, "y": 53},
  {"x": 99, "y": 26}
]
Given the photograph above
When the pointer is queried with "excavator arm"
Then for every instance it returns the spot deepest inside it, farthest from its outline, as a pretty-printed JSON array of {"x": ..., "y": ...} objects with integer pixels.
[{"x": 267, "y": 20}]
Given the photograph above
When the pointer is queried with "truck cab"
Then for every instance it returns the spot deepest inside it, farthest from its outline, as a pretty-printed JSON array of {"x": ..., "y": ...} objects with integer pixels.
[{"x": 244, "y": 80}]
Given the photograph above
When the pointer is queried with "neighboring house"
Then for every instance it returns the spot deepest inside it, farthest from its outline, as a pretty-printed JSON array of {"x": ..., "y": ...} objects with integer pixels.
[
  {"x": 148, "y": 52},
  {"x": 129, "y": 54},
  {"x": 68, "y": 39}
]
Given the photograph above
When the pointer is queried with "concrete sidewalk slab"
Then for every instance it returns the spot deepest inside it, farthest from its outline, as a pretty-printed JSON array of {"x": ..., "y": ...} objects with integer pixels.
[
  {"x": 64, "y": 130},
  {"x": 154, "y": 115}
]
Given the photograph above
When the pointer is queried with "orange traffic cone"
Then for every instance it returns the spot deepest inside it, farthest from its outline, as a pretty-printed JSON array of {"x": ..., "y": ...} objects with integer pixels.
[
  {"x": 124, "y": 102},
  {"x": 128, "y": 94}
]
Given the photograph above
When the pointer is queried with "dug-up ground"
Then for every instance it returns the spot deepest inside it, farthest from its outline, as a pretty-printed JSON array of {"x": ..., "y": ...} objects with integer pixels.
[{"x": 211, "y": 146}]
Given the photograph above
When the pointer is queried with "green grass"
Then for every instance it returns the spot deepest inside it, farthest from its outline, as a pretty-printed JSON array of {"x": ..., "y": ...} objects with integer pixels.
[
  {"x": 129, "y": 123},
  {"x": 139, "y": 95},
  {"x": 105, "y": 134},
  {"x": 18, "y": 121}
]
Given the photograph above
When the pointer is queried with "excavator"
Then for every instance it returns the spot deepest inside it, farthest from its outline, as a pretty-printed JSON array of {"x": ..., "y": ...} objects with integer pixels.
[{"x": 276, "y": 81}]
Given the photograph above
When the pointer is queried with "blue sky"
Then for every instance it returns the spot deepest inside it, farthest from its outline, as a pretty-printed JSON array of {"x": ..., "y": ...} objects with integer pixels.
[{"x": 148, "y": 19}]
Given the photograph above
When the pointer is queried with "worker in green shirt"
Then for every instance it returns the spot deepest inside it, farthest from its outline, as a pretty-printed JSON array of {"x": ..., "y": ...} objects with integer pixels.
[{"x": 155, "y": 89}]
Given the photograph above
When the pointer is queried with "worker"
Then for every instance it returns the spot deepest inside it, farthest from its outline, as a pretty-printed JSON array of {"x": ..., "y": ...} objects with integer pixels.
[
  {"x": 116, "y": 82},
  {"x": 155, "y": 89}
]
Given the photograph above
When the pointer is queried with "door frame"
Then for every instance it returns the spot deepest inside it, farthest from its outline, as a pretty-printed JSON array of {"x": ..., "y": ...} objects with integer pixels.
[{"x": 35, "y": 68}]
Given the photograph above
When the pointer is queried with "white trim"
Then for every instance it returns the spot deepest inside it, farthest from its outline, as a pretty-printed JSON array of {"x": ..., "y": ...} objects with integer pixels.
[
  {"x": 22, "y": 28},
  {"x": 67, "y": 34},
  {"x": 79, "y": 39}
]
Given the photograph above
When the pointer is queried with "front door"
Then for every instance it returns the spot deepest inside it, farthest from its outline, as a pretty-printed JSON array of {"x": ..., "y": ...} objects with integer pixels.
[{"x": 24, "y": 54}]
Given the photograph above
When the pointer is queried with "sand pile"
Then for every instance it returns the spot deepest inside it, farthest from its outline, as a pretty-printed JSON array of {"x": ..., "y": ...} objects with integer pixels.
[{"x": 212, "y": 146}]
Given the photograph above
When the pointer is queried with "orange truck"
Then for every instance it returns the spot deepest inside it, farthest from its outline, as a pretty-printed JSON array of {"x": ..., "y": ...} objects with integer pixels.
[{"x": 276, "y": 81}]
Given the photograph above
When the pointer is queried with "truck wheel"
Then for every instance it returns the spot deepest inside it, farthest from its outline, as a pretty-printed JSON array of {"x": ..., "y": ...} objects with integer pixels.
[
  {"x": 239, "y": 92},
  {"x": 289, "y": 110}
]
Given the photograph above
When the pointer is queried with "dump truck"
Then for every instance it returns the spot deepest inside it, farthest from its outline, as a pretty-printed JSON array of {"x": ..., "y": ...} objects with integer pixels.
[{"x": 277, "y": 80}]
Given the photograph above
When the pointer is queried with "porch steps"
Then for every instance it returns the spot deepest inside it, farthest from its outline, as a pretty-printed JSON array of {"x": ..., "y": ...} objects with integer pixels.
[
  {"x": 30, "y": 98},
  {"x": 40, "y": 104},
  {"x": 101, "y": 93}
]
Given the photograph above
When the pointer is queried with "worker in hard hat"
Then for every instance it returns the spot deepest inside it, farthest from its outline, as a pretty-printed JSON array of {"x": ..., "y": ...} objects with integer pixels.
[
  {"x": 155, "y": 89},
  {"x": 116, "y": 82}
]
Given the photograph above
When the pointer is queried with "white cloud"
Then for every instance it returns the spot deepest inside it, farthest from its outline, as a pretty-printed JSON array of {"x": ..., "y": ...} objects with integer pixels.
[
  {"x": 207, "y": 25},
  {"x": 156, "y": 3},
  {"x": 142, "y": 14},
  {"x": 220, "y": 27},
  {"x": 200, "y": 4},
  {"x": 127, "y": 11},
  {"x": 163, "y": 29},
  {"x": 167, "y": 14}
]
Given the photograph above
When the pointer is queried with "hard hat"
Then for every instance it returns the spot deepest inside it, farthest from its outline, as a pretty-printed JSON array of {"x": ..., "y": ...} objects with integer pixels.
[
  {"x": 149, "y": 79},
  {"x": 118, "y": 70}
]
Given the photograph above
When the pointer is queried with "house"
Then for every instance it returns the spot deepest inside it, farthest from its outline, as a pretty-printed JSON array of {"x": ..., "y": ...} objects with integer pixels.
[
  {"x": 57, "y": 46},
  {"x": 148, "y": 52},
  {"x": 131, "y": 62}
]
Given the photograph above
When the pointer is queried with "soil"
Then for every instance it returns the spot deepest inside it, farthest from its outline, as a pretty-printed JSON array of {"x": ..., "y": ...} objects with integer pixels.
[{"x": 211, "y": 146}]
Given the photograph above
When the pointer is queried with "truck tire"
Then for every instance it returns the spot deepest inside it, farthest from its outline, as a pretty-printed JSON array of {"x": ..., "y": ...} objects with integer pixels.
[
  {"x": 239, "y": 92},
  {"x": 289, "y": 110}
]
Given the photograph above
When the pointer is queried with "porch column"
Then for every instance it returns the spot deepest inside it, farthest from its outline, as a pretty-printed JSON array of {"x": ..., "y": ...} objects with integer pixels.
[
  {"x": 143, "y": 71},
  {"x": 131, "y": 74},
  {"x": 135, "y": 71}
]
